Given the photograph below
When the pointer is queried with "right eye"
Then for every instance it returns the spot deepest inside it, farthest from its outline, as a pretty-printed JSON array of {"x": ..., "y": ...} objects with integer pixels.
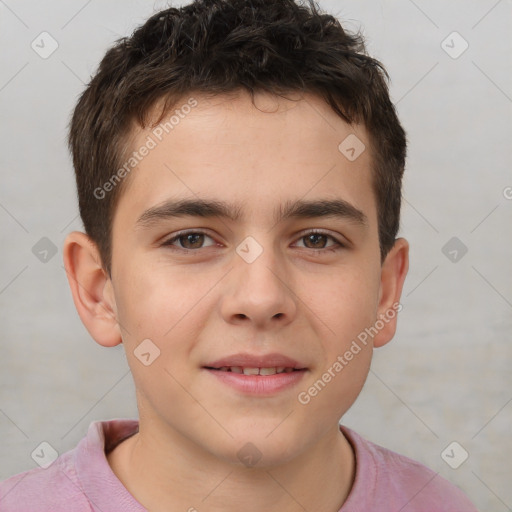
[{"x": 188, "y": 240}]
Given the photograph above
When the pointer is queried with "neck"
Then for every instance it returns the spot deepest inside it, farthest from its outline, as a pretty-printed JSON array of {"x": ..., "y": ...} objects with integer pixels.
[{"x": 320, "y": 478}]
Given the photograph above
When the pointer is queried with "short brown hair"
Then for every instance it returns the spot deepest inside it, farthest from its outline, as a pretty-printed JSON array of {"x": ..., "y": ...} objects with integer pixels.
[{"x": 218, "y": 47}]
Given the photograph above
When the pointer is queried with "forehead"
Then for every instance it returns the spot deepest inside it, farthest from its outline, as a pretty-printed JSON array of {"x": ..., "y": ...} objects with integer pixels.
[{"x": 256, "y": 153}]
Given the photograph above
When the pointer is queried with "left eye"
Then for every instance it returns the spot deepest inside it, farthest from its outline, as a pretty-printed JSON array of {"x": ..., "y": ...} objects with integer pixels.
[{"x": 315, "y": 238}]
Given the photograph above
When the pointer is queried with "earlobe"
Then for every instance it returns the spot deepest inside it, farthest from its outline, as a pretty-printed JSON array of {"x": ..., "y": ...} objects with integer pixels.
[
  {"x": 393, "y": 273},
  {"x": 91, "y": 289}
]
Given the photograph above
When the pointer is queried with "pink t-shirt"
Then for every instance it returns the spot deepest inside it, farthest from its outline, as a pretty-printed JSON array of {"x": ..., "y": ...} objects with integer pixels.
[{"x": 81, "y": 480}]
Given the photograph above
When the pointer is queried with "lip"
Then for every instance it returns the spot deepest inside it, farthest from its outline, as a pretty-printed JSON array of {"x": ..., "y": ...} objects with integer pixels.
[{"x": 257, "y": 385}]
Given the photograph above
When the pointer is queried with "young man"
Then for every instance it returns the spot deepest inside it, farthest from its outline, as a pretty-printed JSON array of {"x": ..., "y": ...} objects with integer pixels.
[{"x": 239, "y": 168}]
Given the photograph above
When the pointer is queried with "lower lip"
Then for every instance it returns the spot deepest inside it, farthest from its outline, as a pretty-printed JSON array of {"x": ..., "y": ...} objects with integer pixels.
[{"x": 259, "y": 384}]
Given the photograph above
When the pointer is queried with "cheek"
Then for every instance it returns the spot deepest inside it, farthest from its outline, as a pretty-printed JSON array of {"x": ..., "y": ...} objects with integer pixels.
[
  {"x": 154, "y": 302},
  {"x": 170, "y": 309},
  {"x": 345, "y": 302},
  {"x": 333, "y": 389},
  {"x": 155, "y": 309}
]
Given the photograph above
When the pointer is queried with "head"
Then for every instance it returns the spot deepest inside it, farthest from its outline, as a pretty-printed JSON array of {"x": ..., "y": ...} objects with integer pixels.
[{"x": 273, "y": 110}]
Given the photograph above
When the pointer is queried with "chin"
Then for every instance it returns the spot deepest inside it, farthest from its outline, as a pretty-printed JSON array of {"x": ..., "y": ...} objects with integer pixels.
[{"x": 263, "y": 447}]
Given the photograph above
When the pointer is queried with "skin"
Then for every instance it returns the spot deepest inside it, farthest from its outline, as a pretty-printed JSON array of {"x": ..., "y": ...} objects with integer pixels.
[{"x": 298, "y": 298}]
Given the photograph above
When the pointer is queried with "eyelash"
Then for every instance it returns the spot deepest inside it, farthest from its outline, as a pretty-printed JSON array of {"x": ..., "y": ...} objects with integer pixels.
[{"x": 168, "y": 243}]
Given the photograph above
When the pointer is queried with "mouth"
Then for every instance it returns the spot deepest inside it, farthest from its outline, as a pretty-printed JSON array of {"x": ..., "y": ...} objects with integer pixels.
[
  {"x": 257, "y": 375},
  {"x": 256, "y": 371}
]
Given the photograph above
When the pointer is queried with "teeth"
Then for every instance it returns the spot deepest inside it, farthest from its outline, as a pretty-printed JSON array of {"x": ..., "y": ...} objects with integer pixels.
[
  {"x": 256, "y": 371},
  {"x": 251, "y": 371}
]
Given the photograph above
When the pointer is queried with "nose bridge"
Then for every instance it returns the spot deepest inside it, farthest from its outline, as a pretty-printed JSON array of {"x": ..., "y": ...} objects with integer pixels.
[
  {"x": 258, "y": 289},
  {"x": 258, "y": 266}
]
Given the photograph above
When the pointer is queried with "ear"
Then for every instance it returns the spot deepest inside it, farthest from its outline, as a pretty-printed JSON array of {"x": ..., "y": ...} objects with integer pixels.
[
  {"x": 91, "y": 288},
  {"x": 393, "y": 272}
]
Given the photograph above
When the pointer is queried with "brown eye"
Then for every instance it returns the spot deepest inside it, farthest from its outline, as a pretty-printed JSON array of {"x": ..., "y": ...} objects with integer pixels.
[
  {"x": 192, "y": 240},
  {"x": 318, "y": 240},
  {"x": 315, "y": 239}
]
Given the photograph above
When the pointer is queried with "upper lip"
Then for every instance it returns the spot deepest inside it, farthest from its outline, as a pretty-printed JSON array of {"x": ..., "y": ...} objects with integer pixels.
[{"x": 254, "y": 361}]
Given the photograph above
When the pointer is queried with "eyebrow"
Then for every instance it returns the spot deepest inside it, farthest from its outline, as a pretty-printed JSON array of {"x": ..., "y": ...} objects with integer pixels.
[{"x": 299, "y": 209}]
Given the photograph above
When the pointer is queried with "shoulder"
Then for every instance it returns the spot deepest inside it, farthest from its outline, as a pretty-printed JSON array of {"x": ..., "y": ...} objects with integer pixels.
[
  {"x": 55, "y": 489},
  {"x": 79, "y": 480},
  {"x": 386, "y": 480}
]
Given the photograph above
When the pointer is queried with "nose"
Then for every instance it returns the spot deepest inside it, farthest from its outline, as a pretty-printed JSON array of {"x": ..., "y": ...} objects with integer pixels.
[{"x": 259, "y": 292}]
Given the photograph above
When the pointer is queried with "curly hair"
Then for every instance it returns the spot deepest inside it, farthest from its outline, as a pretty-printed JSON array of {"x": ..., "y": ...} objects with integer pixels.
[{"x": 218, "y": 47}]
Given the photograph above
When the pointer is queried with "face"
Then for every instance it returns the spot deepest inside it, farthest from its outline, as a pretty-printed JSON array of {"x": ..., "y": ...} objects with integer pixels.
[{"x": 247, "y": 277}]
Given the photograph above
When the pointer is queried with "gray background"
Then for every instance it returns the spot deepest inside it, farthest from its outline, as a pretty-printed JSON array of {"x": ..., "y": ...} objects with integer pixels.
[{"x": 445, "y": 377}]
